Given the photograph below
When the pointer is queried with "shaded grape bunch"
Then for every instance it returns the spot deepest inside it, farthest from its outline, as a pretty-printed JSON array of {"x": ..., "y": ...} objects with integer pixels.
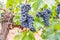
[
  {"x": 26, "y": 19},
  {"x": 58, "y": 11},
  {"x": 58, "y": 15},
  {"x": 58, "y": 8},
  {"x": 45, "y": 14}
]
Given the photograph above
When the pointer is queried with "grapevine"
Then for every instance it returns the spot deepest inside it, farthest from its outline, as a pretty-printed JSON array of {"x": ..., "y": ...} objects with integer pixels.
[{"x": 29, "y": 19}]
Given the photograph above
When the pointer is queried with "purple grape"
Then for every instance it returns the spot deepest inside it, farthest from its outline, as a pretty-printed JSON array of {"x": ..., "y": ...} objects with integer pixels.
[
  {"x": 30, "y": 22},
  {"x": 25, "y": 8},
  {"x": 45, "y": 14},
  {"x": 24, "y": 24},
  {"x": 23, "y": 18},
  {"x": 58, "y": 11},
  {"x": 58, "y": 8},
  {"x": 32, "y": 29},
  {"x": 26, "y": 19},
  {"x": 24, "y": 12},
  {"x": 39, "y": 14}
]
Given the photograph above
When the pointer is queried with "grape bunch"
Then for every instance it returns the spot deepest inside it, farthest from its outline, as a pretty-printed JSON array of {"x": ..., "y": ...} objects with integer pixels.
[
  {"x": 45, "y": 14},
  {"x": 58, "y": 10},
  {"x": 30, "y": 23},
  {"x": 24, "y": 12},
  {"x": 26, "y": 19}
]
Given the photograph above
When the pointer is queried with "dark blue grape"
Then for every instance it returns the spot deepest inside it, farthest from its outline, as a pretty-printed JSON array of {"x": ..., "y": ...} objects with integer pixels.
[
  {"x": 58, "y": 8},
  {"x": 31, "y": 18},
  {"x": 24, "y": 24},
  {"x": 39, "y": 14},
  {"x": 25, "y": 8},
  {"x": 24, "y": 11},
  {"x": 30, "y": 23},
  {"x": 26, "y": 19},
  {"x": 28, "y": 6},
  {"x": 58, "y": 15},
  {"x": 32, "y": 29},
  {"x": 46, "y": 16},
  {"x": 48, "y": 10},
  {"x": 58, "y": 4},
  {"x": 58, "y": 11}
]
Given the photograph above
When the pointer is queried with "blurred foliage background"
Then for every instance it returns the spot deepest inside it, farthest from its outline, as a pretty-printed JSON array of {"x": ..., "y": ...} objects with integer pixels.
[{"x": 50, "y": 33}]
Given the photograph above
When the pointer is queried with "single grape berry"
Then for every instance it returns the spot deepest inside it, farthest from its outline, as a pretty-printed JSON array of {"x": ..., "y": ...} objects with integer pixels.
[
  {"x": 24, "y": 24},
  {"x": 32, "y": 29},
  {"x": 23, "y": 18}
]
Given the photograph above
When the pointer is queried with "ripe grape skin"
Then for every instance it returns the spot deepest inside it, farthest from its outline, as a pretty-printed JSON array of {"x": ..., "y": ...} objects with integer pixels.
[
  {"x": 45, "y": 14},
  {"x": 24, "y": 24},
  {"x": 26, "y": 19},
  {"x": 30, "y": 23},
  {"x": 23, "y": 18},
  {"x": 24, "y": 11},
  {"x": 58, "y": 8},
  {"x": 58, "y": 11},
  {"x": 25, "y": 8},
  {"x": 58, "y": 15},
  {"x": 39, "y": 14},
  {"x": 32, "y": 29},
  {"x": 48, "y": 11}
]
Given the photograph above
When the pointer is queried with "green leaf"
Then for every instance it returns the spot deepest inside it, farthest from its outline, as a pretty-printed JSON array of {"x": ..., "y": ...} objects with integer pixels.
[
  {"x": 57, "y": 26},
  {"x": 52, "y": 37},
  {"x": 28, "y": 36},
  {"x": 17, "y": 37},
  {"x": 58, "y": 1},
  {"x": 58, "y": 36},
  {"x": 31, "y": 0},
  {"x": 45, "y": 6},
  {"x": 37, "y": 25},
  {"x": 36, "y": 5},
  {"x": 50, "y": 3}
]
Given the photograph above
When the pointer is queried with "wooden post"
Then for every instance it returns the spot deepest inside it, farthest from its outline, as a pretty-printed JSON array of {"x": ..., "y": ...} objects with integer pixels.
[{"x": 6, "y": 22}]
